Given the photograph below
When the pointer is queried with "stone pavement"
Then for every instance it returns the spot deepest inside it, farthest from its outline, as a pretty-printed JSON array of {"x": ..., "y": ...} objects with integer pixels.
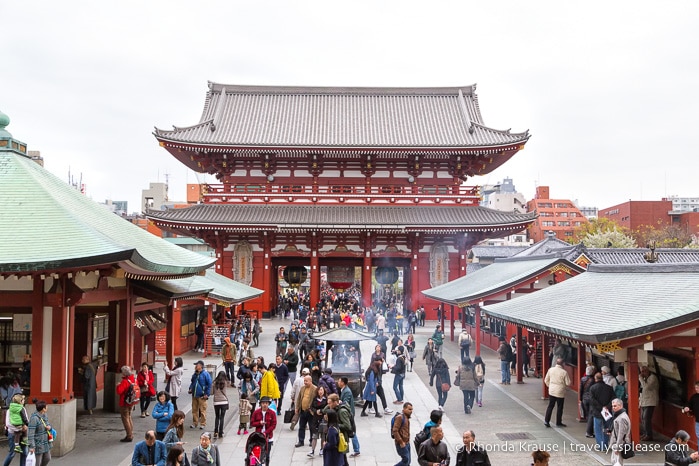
[{"x": 509, "y": 425}]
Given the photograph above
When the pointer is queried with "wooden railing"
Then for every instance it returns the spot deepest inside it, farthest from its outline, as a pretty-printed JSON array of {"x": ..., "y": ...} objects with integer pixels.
[{"x": 353, "y": 194}]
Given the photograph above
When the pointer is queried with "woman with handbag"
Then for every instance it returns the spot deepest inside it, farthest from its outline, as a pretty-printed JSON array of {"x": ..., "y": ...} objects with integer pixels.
[
  {"x": 468, "y": 382},
  {"x": 620, "y": 434},
  {"x": 40, "y": 435},
  {"x": 174, "y": 380},
  {"x": 332, "y": 454},
  {"x": 371, "y": 375},
  {"x": 145, "y": 381},
  {"x": 318, "y": 430},
  {"x": 441, "y": 371}
]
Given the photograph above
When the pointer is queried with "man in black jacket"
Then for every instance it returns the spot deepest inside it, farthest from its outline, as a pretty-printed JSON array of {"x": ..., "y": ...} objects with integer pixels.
[
  {"x": 433, "y": 451},
  {"x": 601, "y": 396},
  {"x": 677, "y": 451},
  {"x": 471, "y": 453}
]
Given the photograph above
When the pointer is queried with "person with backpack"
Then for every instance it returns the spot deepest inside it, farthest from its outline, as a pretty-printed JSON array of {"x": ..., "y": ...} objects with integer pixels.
[
  {"x": 327, "y": 382},
  {"x": 400, "y": 433},
  {"x": 127, "y": 386},
  {"x": 438, "y": 339},
  {"x": 424, "y": 434},
  {"x": 467, "y": 381},
  {"x": 465, "y": 343}
]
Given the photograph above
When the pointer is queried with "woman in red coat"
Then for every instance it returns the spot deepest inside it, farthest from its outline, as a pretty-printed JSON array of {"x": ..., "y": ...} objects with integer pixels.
[{"x": 145, "y": 381}]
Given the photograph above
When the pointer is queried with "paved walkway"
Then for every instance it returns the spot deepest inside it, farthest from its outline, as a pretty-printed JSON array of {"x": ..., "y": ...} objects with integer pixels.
[{"x": 509, "y": 425}]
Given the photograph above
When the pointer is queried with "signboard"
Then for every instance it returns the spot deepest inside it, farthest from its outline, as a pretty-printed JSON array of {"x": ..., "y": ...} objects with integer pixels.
[{"x": 22, "y": 323}]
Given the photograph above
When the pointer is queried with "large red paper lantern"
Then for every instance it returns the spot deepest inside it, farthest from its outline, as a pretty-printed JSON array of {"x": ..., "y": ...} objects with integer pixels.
[{"x": 340, "y": 278}]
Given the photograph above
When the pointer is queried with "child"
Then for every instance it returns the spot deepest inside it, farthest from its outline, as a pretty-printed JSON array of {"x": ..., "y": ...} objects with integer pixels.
[
  {"x": 19, "y": 421},
  {"x": 244, "y": 409}
]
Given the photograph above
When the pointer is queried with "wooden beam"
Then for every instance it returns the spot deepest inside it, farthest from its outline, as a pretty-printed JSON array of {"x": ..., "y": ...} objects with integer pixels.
[
  {"x": 17, "y": 298},
  {"x": 677, "y": 342},
  {"x": 659, "y": 335},
  {"x": 103, "y": 296}
]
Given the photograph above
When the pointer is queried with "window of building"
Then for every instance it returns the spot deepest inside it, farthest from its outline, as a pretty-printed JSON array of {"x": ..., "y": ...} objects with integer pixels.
[
  {"x": 545, "y": 205},
  {"x": 100, "y": 335},
  {"x": 564, "y": 224},
  {"x": 548, "y": 223},
  {"x": 568, "y": 233},
  {"x": 562, "y": 214}
]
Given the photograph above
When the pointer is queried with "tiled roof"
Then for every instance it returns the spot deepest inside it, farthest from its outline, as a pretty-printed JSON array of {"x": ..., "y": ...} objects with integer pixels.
[
  {"x": 546, "y": 246},
  {"x": 215, "y": 286},
  {"x": 499, "y": 276},
  {"x": 277, "y": 116},
  {"x": 47, "y": 225},
  {"x": 483, "y": 251},
  {"x": 609, "y": 303},
  {"x": 635, "y": 255},
  {"x": 282, "y": 217}
]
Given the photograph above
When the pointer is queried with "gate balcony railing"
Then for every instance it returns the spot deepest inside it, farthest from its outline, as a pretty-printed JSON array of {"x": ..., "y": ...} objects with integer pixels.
[{"x": 256, "y": 193}]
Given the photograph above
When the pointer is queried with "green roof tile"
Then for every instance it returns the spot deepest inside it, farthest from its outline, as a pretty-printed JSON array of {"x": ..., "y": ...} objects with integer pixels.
[{"x": 46, "y": 225}]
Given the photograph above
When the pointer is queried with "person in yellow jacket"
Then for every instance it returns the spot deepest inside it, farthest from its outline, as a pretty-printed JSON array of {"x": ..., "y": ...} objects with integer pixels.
[{"x": 269, "y": 385}]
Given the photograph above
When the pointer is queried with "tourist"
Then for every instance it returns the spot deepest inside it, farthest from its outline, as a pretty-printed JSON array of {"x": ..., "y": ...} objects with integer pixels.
[
  {"x": 471, "y": 453},
  {"x": 650, "y": 396},
  {"x": 332, "y": 456},
  {"x": 206, "y": 453},
  {"x": 505, "y": 354},
  {"x": 398, "y": 371},
  {"x": 175, "y": 430},
  {"x": 269, "y": 387},
  {"x": 320, "y": 401},
  {"x": 282, "y": 340},
  {"x": 250, "y": 389},
  {"x": 127, "y": 379},
  {"x": 692, "y": 406},
  {"x": 200, "y": 389},
  {"x": 282, "y": 375},
  {"x": 149, "y": 452},
  {"x": 401, "y": 434},
  {"x": 540, "y": 458},
  {"x": 221, "y": 404},
  {"x": 433, "y": 450},
  {"x": 464, "y": 343},
  {"x": 229, "y": 354},
  {"x": 443, "y": 384},
  {"x": 175, "y": 457},
  {"x": 145, "y": 382},
  {"x": 608, "y": 378},
  {"x": 291, "y": 359},
  {"x": 256, "y": 330},
  {"x": 371, "y": 375},
  {"x": 557, "y": 380},
  {"x": 410, "y": 348},
  {"x": 466, "y": 376},
  {"x": 479, "y": 370},
  {"x": 430, "y": 356},
  {"x": 174, "y": 380},
  {"x": 264, "y": 420},
  {"x": 601, "y": 396},
  {"x": 162, "y": 413},
  {"x": 347, "y": 399},
  {"x": 39, "y": 435},
  {"x": 677, "y": 451},
  {"x": 584, "y": 397},
  {"x": 438, "y": 339},
  {"x": 621, "y": 431},
  {"x": 89, "y": 383},
  {"x": 302, "y": 404}
]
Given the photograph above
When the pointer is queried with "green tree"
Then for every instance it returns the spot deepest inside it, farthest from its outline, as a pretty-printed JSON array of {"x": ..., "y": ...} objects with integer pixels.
[
  {"x": 594, "y": 227},
  {"x": 608, "y": 239}
]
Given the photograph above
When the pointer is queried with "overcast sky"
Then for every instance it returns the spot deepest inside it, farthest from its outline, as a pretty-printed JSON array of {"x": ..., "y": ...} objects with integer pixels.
[{"x": 609, "y": 90}]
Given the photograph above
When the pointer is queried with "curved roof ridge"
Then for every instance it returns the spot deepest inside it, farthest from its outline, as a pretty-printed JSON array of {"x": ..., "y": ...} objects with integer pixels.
[
  {"x": 507, "y": 132},
  {"x": 285, "y": 89},
  {"x": 175, "y": 129}
]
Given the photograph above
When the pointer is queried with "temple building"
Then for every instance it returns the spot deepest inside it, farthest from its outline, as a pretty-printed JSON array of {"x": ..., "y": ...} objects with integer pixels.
[{"x": 366, "y": 183}]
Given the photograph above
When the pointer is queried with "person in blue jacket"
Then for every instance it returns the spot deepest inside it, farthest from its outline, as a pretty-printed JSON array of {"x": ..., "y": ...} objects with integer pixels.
[
  {"x": 149, "y": 452},
  {"x": 162, "y": 413},
  {"x": 200, "y": 389}
]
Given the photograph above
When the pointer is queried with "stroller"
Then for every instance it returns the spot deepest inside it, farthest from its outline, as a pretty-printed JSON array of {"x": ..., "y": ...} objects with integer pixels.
[{"x": 256, "y": 450}]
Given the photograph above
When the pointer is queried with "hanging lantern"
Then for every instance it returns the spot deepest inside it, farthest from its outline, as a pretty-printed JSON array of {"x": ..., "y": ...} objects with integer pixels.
[
  {"x": 340, "y": 278},
  {"x": 386, "y": 276},
  {"x": 295, "y": 275}
]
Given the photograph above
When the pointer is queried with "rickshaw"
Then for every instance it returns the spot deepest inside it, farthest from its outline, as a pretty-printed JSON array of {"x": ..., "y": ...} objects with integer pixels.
[{"x": 343, "y": 354}]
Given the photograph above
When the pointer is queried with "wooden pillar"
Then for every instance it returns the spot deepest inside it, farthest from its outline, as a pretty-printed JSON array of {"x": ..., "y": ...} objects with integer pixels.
[
  {"x": 315, "y": 279},
  {"x": 521, "y": 354},
  {"x": 632, "y": 378},
  {"x": 451, "y": 327},
  {"x": 267, "y": 274},
  {"x": 37, "y": 375},
  {"x": 171, "y": 333},
  {"x": 414, "y": 274},
  {"x": 477, "y": 323},
  {"x": 125, "y": 329},
  {"x": 545, "y": 364},
  {"x": 582, "y": 366}
]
